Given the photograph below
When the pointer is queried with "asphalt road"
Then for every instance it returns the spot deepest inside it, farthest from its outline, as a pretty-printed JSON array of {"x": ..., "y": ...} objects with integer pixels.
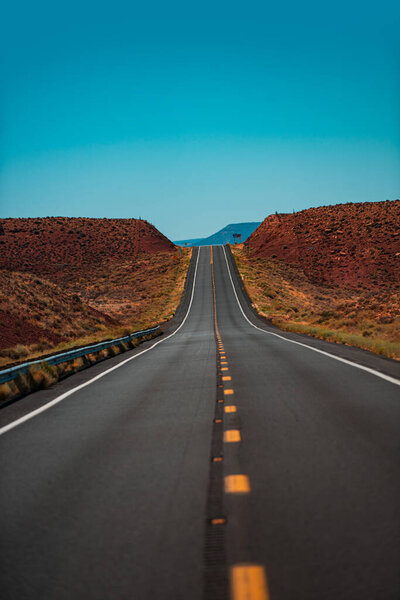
[{"x": 108, "y": 493}]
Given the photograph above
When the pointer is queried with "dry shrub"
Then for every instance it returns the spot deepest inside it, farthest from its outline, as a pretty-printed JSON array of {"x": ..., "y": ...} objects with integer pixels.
[
  {"x": 23, "y": 383},
  {"x": 91, "y": 358},
  {"x": 113, "y": 350},
  {"x": 6, "y": 392},
  {"x": 42, "y": 379},
  {"x": 19, "y": 351},
  {"x": 77, "y": 363}
]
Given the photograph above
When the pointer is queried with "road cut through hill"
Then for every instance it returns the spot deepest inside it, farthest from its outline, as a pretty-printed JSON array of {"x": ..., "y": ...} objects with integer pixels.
[{"x": 112, "y": 491}]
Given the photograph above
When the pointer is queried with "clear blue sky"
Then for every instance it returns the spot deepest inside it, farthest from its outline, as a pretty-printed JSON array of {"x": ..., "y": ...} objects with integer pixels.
[{"x": 197, "y": 115}]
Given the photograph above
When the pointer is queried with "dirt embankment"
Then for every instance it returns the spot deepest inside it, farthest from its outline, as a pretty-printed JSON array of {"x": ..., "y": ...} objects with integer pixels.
[
  {"x": 332, "y": 272},
  {"x": 345, "y": 244},
  {"x": 76, "y": 280},
  {"x": 33, "y": 310},
  {"x": 59, "y": 247}
]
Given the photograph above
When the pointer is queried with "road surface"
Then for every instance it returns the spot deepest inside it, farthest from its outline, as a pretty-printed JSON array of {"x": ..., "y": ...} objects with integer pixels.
[{"x": 224, "y": 460}]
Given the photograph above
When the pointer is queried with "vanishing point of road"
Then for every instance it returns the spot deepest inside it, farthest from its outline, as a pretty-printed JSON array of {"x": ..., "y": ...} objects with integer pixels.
[{"x": 226, "y": 459}]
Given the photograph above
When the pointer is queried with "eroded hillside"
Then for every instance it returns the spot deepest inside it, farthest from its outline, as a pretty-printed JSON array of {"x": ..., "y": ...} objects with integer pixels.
[
  {"x": 66, "y": 281},
  {"x": 332, "y": 272},
  {"x": 345, "y": 244},
  {"x": 61, "y": 248}
]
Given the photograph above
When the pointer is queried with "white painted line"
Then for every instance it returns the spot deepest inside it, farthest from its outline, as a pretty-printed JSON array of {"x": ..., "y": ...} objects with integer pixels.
[
  {"x": 343, "y": 360},
  {"x": 36, "y": 412}
]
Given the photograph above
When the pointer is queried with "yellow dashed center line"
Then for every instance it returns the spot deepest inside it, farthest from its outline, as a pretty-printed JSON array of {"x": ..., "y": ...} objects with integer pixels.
[
  {"x": 232, "y": 435},
  {"x": 217, "y": 458},
  {"x": 237, "y": 484},
  {"x": 248, "y": 582},
  {"x": 218, "y": 521}
]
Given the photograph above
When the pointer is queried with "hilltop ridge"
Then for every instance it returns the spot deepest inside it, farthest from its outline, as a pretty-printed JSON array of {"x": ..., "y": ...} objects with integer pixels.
[
  {"x": 332, "y": 272},
  {"x": 343, "y": 244},
  {"x": 66, "y": 279},
  {"x": 57, "y": 246}
]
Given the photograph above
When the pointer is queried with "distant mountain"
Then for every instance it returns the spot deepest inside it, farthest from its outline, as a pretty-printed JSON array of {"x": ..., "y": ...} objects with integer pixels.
[
  {"x": 223, "y": 236},
  {"x": 193, "y": 242}
]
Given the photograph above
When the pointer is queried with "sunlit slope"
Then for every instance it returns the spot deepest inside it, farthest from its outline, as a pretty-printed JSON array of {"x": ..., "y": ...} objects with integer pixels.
[
  {"x": 70, "y": 280},
  {"x": 332, "y": 272},
  {"x": 347, "y": 244}
]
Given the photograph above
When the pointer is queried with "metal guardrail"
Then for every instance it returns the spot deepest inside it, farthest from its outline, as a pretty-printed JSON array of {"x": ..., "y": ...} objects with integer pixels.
[{"x": 13, "y": 372}]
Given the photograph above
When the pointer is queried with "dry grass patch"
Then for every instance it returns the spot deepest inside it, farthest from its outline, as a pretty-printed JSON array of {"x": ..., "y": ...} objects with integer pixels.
[
  {"x": 43, "y": 375},
  {"x": 109, "y": 301},
  {"x": 365, "y": 317}
]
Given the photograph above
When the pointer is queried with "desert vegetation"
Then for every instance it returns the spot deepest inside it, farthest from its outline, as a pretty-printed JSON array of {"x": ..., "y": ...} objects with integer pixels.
[
  {"x": 356, "y": 302},
  {"x": 72, "y": 282},
  {"x": 344, "y": 245},
  {"x": 43, "y": 375}
]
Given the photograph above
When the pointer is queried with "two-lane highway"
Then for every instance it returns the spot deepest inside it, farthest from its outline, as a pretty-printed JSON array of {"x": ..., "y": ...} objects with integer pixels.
[{"x": 107, "y": 493}]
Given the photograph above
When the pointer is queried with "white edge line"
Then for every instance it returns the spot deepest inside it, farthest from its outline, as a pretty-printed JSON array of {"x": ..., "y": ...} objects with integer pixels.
[
  {"x": 36, "y": 412},
  {"x": 343, "y": 360}
]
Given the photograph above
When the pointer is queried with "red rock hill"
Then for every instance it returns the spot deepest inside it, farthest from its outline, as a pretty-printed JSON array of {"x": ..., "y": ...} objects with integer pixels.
[
  {"x": 51, "y": 246},
  {"x": 345, "y": 244}
]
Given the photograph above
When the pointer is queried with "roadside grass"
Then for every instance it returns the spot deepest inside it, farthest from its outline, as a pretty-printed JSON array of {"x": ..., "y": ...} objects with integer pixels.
[
  {"x": 376, "y": 345},
  {"x": 43, "y": 375},
  {"x": 364, "y": 317},
  {"x": 137, "y": 295}
]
